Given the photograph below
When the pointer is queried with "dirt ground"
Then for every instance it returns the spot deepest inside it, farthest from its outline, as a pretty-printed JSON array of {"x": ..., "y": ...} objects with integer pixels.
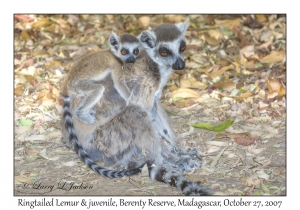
[{"x": 236, "y": 173}]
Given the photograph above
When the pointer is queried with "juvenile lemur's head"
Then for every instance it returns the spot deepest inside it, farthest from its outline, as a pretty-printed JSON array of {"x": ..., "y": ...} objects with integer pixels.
[
  {"x": 165, "y": 44},
  {"x": 126, "y": 47}
]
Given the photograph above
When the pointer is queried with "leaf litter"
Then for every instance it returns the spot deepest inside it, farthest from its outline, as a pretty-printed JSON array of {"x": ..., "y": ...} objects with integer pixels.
[{"x": 235, "y": 68}]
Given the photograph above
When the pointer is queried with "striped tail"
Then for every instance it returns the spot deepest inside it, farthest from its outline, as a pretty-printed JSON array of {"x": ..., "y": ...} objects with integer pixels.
[
  {"x": 81, "y": 152},
  {"x": 175, "y": 179}
]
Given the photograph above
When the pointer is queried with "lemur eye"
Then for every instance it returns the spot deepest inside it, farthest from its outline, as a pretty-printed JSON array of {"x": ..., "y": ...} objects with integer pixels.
[
  {"x": 136, "y": 51},
  {"x": 164, "y": 53},
  {"x": 182, "y": 48},
  {"x": 124, "y": 52}
]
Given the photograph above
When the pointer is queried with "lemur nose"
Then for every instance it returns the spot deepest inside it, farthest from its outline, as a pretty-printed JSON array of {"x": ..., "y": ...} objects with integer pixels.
[
  {"x": 179, "y": 64},
  {"x": 130, "y": 60}
]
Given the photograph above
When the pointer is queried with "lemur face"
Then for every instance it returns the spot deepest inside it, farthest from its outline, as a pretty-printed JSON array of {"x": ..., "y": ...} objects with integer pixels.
[
  {"x": 165, "y": 44},
  {"x": 126, "y": 47}
]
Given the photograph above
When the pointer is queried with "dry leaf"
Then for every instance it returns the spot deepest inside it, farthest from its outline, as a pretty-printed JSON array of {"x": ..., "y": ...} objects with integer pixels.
[
  {"x": 42, "y": 23},
  {"x": 225, "y": 84},
  {"x": 211, "y": 40},
  {"x": 260, "y": 17},
  {"x": 184, "y": 93},
  {"x": 36, "y": 138},
  {"x": 254, "y": 151},
  {"x": 274, "y": 57},
  {"x": 33, "y": 152},
  {"x": 23, "y": 179},
  {"x": 213, "y": 149},
  {"x": 185, "y": 103},
  {"x": 53, "y": 64},
  {"x": 217, "y": 143},
  {"x": 19, "y": 90},
  {"x": 245, "y": 141},
  {"x": 252, "y": 180},
  {"x": 192, "y": 83},
  {"x": 215, "y": 74},
  {"x": 24, "y": 35},
  {"x": 70, "y": 163},
  {"x": 43, "y": 153},
  {"x": 144, "y": 21},
  {"x": 275, "y": 86},
  {"x": 242, "y": 96},
  {"x": 228, "y": 23},
  {"x": 54, "y": 134}
]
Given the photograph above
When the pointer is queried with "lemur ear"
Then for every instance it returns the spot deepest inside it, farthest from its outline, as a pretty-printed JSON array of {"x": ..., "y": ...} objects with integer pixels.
[
  {"x": 114, "y": 40},
  {"x": 183, "y": 26},
  {"x": 148, "y": 39}
]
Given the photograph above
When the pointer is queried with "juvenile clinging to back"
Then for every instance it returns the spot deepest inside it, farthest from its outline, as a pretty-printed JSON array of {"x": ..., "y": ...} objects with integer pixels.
[{"x": 93, "y": 67}]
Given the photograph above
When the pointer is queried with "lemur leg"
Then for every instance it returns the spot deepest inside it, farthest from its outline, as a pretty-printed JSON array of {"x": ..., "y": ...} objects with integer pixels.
[
  {"x": 182, "y": 160},
  {"x": 162, "y": 124},
  {"x": 93, "y": 92}
]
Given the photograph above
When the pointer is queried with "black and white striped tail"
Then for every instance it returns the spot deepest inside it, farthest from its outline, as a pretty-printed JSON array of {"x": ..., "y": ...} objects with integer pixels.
[
  {"x": 81, "y": 152},
  {"x": 175, "y": 179}
]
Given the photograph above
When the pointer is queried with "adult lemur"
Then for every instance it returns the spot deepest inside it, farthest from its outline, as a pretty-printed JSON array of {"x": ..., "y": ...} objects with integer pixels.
[
  {"x": 132, "y": 137},
  {"x": 81, "y": 80}
]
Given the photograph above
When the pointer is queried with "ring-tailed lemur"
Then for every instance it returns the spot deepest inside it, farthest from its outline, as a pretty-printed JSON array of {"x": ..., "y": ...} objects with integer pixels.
[
  {"x": 131, "y": 138},
  {"x": 83, "y": 81}
]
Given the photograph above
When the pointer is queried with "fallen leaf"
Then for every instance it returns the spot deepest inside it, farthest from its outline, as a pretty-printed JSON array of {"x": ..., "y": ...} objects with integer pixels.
[
  {"x": 144, "y": 21},
  {"x": 275, "y": 87},
  {"x": 71, "y": 163},
  {"x": 219, "y": 128},
  {"x": 184, "y": 93},
  {"x": 252, "y": 180},
  {"x": 216, "y": 159},
  {"x": 242, "y": 96},
  {"x": 210, "y": 20},
  {"x": 42, "y": 23},
  {"x": 24, "y": 35},
  {"x": 215, "y": 74},
  {"x": 274, "y": 57},
  {"x": 26, "y": 122},
  {"x": 33, "y": 152},
  {"x": 255, "y": 151},
  {"x": 43, "y": 153},
  {"x": 245, "y": 141},
  {"x": 261, "y": 17},
  {"x": 217, "y": 143},
  {"x": 192, "y": 83},
  {"x": 36, "y": 138},
  {"x": 225, "y": 84},
  {"x": 23, "y": 179},
  {"x": 23, "y": 18},
  {"x": 22, "y": 129},
  {"x": 19, "y": 90},
  {"x": 228, "y": 23}
]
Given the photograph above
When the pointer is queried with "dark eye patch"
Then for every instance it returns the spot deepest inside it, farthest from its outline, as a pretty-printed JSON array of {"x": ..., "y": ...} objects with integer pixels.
[
  {"x": 163, "y": 51},
  {"x": 124, "y": 51},
  {"x": 136, "y": 51},
  {"x": 182, "y": 46}
]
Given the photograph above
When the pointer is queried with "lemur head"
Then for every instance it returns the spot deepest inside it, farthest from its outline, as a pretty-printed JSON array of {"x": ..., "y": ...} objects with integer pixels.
[
  {"x": 126, "y": 47},
  {"x": 165, "y": 44}
]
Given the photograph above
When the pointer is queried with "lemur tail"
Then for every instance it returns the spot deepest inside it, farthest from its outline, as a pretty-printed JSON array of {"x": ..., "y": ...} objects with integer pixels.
[
  {"x": 175, "y": 179},
  {"x": 81, "y": 152}
]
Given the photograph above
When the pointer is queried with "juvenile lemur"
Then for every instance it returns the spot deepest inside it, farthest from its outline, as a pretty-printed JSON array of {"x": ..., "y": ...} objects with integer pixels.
[
  {"x": 132, "y": 138},
  {"x": 82, "y": 78}
]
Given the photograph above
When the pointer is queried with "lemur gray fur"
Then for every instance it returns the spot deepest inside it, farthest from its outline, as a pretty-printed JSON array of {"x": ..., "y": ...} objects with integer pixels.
[
  {"x": 81, "y": 80},
  {"x": 132, "y": 137}
]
